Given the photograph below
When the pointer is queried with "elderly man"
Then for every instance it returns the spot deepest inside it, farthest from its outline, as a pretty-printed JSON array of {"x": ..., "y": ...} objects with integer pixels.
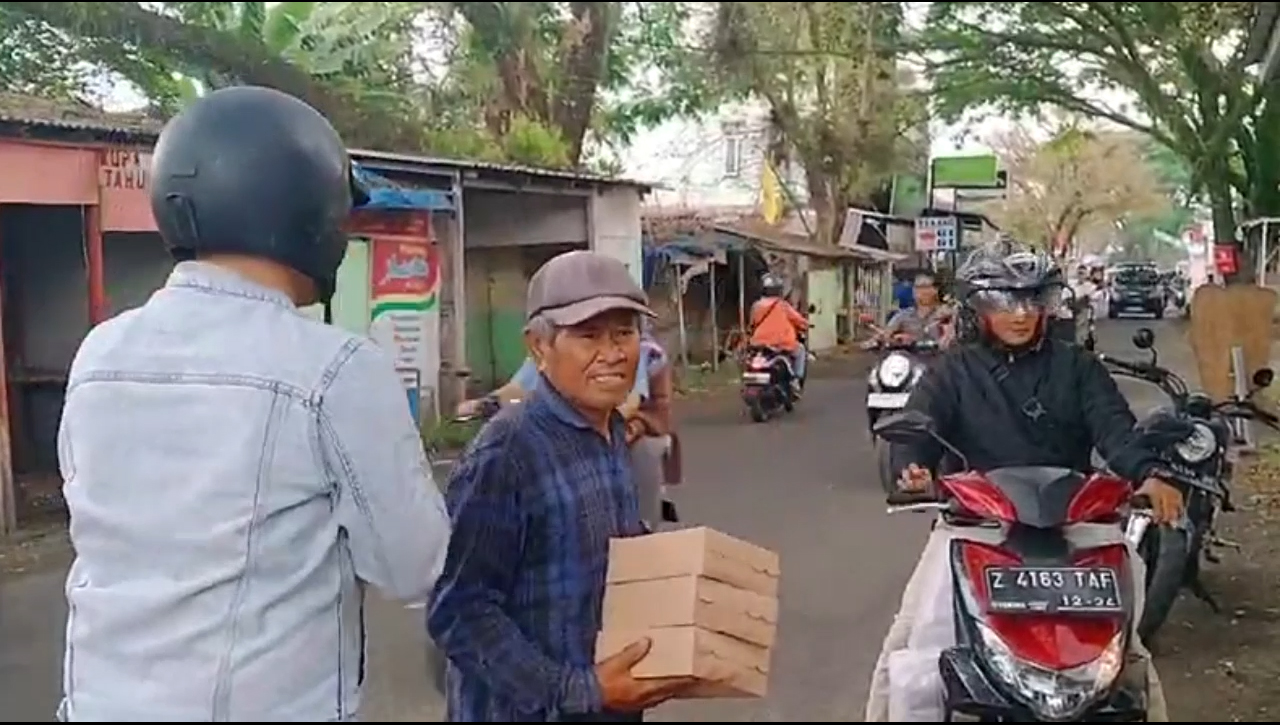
[{"x": 534, "y": 502}]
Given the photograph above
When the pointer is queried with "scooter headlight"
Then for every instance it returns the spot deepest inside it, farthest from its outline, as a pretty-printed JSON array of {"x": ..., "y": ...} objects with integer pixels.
[
  {"x": 894, "y": 370},
  {"x": 1199, "y": 445},
  {"x": 1053, "y": 695}
]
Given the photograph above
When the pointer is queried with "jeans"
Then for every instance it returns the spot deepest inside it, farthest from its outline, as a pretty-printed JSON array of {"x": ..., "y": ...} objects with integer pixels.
[
  {"x": 799, "y": 359},
  {"x": 649, "y": 476}
]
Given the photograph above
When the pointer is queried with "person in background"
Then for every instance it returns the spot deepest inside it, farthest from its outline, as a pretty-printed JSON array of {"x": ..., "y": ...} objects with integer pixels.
[
  {"x": 238, "y": 474},
  {"x": 655, "y": 449},
  {"x": 928, "y": 320},
  {"x": 903, "y": 291},
  {"x": 776, "y": 324},
  {"x": 535, "y": 500}
]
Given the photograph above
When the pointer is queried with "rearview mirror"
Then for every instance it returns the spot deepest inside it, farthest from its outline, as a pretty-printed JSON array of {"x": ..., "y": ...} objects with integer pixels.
[
  {"x": 1263, "y": 377},
  {"x": 905, "y": 427},
  {"x": 1144, "y": 338}
]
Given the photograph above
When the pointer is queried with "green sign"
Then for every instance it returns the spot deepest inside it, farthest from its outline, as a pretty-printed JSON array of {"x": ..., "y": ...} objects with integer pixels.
[
  {"x": 966, "y": 172},
  {"x": 908, "y": 198}
]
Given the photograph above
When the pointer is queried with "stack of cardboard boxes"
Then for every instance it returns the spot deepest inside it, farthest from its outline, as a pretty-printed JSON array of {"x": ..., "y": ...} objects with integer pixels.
[{"x": 707, "y": 601}]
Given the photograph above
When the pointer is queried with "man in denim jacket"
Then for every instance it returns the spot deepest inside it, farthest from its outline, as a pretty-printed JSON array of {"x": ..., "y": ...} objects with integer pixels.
[{"x": 237, "y": 473}]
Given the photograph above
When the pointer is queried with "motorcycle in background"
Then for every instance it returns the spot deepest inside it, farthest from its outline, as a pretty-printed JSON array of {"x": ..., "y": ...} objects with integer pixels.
[
  {"x": 889, "y": 385},
  {"x": 769, "y": 384},
  {"x": 1042, "y": 627},
  {"x": 1192, "y": 436}
]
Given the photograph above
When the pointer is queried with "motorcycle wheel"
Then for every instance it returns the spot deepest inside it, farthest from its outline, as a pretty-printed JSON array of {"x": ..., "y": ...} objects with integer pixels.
[
  {"x": 756, "y": 409},
  {"x": 884, "y": 466},
  {"x": 1165, "y": 551}
]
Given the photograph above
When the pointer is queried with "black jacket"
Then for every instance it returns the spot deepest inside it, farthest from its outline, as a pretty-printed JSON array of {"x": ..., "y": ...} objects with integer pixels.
[{"x": 984, "y": 418}]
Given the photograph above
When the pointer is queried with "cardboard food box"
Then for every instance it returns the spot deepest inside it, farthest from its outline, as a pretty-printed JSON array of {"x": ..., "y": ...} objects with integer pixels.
[
  {"x": 687, "y": 601},
  {"x": 730, "y": 667},
  {"x": 694, "y": 552},
  {"x": 708, "y": 602}
]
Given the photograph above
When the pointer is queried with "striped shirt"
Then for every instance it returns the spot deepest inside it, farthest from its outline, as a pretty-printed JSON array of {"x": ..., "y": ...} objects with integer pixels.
[{"x": 534, "y": 502}]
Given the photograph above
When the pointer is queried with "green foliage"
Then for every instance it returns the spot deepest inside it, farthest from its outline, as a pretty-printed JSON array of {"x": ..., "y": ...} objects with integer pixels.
[
  {"x": 1182, "y": 64},
  {"x": 837, "y": 96},
  {"x": 529, "y": 83}
]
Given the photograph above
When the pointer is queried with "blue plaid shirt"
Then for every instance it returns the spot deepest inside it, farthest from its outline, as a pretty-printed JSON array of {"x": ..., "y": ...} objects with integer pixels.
[{"x": 534, "y": 502}]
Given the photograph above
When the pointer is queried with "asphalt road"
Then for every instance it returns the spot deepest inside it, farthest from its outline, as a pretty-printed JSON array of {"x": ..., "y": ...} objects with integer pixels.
[{"x": 803, "y": 485}]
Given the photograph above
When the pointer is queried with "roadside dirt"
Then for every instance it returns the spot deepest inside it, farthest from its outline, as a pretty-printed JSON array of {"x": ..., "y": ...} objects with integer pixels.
[{"x": 1224, "y": 667}]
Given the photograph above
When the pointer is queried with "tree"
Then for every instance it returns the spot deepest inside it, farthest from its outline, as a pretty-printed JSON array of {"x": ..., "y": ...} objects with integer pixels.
[
  {"x": 829, "y": 73},
  {"x": 158, "y": 49},
  {"x": 529, "y": 82},
  {"x": 1181, "y": 64},
  {"x": 1079, "y": 179}
]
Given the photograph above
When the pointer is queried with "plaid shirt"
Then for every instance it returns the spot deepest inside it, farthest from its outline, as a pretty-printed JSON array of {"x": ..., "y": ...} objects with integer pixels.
[{"x": 534, "y": 502}]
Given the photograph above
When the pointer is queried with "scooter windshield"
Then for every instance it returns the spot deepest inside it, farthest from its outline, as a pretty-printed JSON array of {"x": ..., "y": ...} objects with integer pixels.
[{"x": 1041, "y": 495}]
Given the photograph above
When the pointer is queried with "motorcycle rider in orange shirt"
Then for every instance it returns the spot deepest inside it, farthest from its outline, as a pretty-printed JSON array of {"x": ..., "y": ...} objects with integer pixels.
[{"x": 776, "y": 324}]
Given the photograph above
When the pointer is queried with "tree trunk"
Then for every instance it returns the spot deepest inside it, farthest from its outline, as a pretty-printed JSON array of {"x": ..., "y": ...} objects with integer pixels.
[
  {"x": 590, "y": 32},
  {"x": 829, "y": 206},
  {"x": 1222, "y": 207}
]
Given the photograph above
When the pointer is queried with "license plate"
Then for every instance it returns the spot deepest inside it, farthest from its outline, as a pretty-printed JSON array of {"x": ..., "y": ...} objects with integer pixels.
[
  {"x": 1048, "y": 590},
  {"x": 887, "y": 401},
  {"x": 755, "y": 378}
]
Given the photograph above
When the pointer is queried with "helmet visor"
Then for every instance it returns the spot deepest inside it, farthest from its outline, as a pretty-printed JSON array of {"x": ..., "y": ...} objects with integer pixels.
[{"x": 1025, "y": 301}]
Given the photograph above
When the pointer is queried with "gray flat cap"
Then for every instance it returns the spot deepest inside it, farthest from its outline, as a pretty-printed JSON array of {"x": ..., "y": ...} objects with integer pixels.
[{"x": 573, "y": 287}]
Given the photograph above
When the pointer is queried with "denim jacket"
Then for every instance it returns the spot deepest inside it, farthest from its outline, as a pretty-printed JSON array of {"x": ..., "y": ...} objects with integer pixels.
[{"x": 236, "y": 473}]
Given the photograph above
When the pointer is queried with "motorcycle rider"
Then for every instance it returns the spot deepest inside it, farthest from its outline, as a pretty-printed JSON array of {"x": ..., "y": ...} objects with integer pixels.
[
  {"x": 929, "y": 319},
  {"x": 237, "y": 473},
  {"x": 776, "y": 324},
  {"x": 975, "y": 394}
]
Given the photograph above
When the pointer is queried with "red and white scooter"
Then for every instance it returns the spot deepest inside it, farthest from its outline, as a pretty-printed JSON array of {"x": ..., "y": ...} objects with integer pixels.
[{"x": 1042, "y": 626}]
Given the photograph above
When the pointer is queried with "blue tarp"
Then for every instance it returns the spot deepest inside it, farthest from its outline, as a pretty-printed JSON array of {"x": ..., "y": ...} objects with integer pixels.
[
  {"x": 683, "y": 251},
  {"x": 387, "y": 194}
]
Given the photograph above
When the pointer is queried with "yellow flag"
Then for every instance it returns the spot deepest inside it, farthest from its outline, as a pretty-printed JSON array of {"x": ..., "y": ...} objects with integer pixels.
[{"x": 771, "y": 201}]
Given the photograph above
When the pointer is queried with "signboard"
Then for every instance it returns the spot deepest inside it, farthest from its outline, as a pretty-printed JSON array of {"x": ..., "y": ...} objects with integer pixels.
[
  {"x": 1226, "y": 258},
  {"x": 936, "y": 234},
  {"x": 124, "y": 180},
  {"x": 967, "y": 172},
  {"x": 413, "y": 388},
  {"x": 404, "y": 277}
]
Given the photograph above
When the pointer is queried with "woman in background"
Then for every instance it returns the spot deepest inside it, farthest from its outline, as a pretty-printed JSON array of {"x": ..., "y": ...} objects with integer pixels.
[{"x": 655, "y": 450}]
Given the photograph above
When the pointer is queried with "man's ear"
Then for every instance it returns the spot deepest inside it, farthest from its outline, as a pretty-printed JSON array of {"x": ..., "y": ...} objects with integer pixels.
[{"x": 537, "y": 347}]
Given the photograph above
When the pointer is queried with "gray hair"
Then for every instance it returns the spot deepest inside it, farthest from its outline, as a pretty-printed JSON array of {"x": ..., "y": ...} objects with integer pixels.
[{"x": 541, "y": 327}]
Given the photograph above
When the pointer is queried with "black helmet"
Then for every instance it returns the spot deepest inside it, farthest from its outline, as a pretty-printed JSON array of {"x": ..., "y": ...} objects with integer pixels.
[{"x": 251, "y": 170}]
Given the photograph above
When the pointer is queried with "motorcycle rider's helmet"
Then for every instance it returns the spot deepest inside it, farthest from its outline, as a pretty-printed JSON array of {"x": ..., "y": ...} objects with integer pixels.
[
  {"x": 992, "y": 281},
  {"x": 771, "y": 285},
  {"x": 253, "y": 171}
]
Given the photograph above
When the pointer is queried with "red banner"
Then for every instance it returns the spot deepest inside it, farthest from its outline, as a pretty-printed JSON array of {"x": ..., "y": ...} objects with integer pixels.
[{"x": 402, "y": 267}]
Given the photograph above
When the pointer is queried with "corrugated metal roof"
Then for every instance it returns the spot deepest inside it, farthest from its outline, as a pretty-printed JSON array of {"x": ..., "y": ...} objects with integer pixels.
[
  {"x": 773, "y": 238},
  {"x": 71, "y": 116},
  {"x": 45, "y": 113},
  {"x": 428, "y": 163}
]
